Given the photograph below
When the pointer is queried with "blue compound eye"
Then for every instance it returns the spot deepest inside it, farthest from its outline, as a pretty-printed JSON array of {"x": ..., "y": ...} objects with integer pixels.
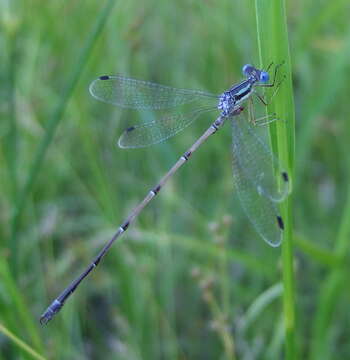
[
  {"x": 264, "y": 77},
  {"x": 247, "y": 69}
]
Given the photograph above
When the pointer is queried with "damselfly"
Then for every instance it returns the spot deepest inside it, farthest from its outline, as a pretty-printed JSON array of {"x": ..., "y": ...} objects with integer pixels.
[{"x": 260, "y": 181}]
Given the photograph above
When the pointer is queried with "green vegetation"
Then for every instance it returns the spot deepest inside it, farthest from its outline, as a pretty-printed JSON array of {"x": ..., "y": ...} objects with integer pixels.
[{"x": 191, "y": 279}]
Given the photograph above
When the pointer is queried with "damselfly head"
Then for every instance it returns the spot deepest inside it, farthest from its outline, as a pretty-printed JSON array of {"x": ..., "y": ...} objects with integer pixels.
[{"x": 250, "y": 71}]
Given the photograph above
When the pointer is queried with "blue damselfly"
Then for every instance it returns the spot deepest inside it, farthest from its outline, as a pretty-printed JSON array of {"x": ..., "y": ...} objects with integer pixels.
[{"x": 260, "y": 180}]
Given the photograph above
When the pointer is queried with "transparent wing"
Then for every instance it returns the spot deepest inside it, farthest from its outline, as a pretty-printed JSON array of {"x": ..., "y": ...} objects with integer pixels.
[
  {"x": 256, "y": 201},
  {"x": 258, "y": 163},
  {"x": 159, "y": 130},
  {"x": 142, "y": 95}
]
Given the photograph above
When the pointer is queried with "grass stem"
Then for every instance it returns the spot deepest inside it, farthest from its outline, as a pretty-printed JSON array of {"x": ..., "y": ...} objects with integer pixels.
[{"x": 273, "y": 45}]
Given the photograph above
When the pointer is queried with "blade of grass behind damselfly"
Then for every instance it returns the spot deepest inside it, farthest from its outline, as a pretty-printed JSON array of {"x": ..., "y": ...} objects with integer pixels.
[
  {"x": 332, "y": 287},
  {"x": 273, "y": 45},
  {"x": 52, "y": 126},
  {"x": 20, "y": 343}
]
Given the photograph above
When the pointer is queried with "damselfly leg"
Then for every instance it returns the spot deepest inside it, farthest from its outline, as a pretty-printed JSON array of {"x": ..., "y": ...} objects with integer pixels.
[{"x": 265, "y": 101}]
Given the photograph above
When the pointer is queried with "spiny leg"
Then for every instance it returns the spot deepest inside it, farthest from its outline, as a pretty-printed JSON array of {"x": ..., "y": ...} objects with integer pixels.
[
  {"x": 269, "y": 119},
  {"x": 261, "y": 97},
  {"x": 257, "y": 121},
  {"x": 251, "y": 111},
  {"x": 267, "y": 102},
  {"x": 268, "y": 68}
]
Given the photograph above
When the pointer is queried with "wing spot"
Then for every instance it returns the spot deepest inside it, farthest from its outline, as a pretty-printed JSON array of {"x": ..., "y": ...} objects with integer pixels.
[
  {"x": 131, "y": 128},
  {"x": 104, "y": 77},
  {"x": 280, "y": 222},
  {"x": 285, "y": 176}
]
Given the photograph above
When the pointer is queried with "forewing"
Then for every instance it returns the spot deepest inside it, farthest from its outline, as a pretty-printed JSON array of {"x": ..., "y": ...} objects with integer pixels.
[
  {"x": 168, "y": 125},
  {"x": 142, "y": 95},
  {"x": 261, "y": 210},
  {"x": 258, "y": 163}
]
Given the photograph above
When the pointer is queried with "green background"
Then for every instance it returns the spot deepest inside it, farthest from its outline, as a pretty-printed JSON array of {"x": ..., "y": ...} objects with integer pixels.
[{"x": 191, "y": 279}]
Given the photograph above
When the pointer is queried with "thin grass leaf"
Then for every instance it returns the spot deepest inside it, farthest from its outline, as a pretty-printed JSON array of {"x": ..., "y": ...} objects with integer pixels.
[
  {"x": 260, "y": 303},
  {"x": 11, "y": 145},
  {"x": 330, "y": 291},
  {"x": 321, "y": 16},
  {"x": 317, "y": 253},
  {"x": 320, "y": 98},
  {"x": 20, "y": 343},
  {"x": 52, "y": 126},
  {"x": 20, "y": 315}
]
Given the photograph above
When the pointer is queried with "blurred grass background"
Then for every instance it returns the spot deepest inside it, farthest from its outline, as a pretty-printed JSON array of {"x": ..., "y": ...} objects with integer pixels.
[{"x": 190, "y": 279}]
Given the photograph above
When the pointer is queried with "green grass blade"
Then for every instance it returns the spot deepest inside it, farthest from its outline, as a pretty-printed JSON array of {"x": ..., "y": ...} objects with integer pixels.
[
  {"x": 317, "y": 253},
  {"x": 274, "y": 46},
  {"x": 11, "y": 144},
  {"x": 319, "y": 100},
  {"x": 260, "y": 303},
  {"x": 53, "y": 123},
  {"x": 330, "y": 291},
  {"x": 21, "y": 344},
  {"x": 20, "y": 315},
  {"x": 321, "y": 17}
]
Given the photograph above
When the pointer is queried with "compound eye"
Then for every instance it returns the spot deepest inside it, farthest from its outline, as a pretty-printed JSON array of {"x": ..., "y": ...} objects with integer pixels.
[
  {"x": 247, "y": 69},
  {"x": 264, "y": 77}
]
